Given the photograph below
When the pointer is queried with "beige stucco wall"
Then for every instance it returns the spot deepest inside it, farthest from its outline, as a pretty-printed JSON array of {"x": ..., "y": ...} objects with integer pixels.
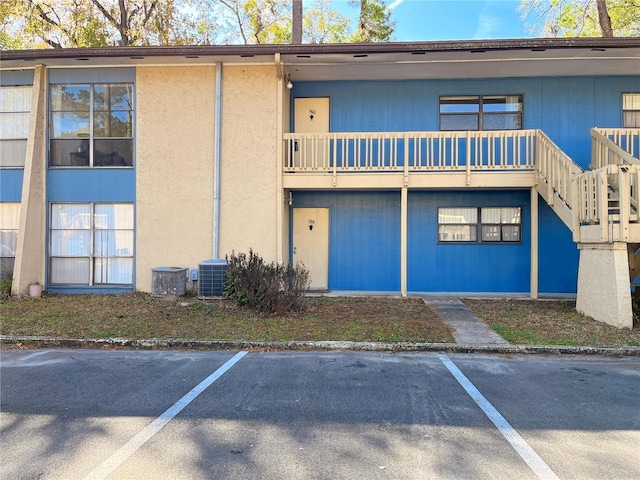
[
  {"x": 604, "y": 289},
  {"x": 29, "y": 264},
  {"x": 249, "y": 161},
  {"x": 174, "y": 168}
]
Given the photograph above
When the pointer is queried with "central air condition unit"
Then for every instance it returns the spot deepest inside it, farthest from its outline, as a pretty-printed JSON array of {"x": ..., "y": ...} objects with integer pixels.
[
  {"x": 168, "y": 281},
  {"x": 212, "y": 275}
]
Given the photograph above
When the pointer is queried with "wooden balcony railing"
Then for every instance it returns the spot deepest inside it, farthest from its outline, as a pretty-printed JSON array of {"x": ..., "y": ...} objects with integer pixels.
[{"x": 409, "y": 151}]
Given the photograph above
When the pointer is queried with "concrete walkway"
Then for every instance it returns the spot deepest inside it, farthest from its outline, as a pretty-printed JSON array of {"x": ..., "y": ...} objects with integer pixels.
[{"x": 468, "y": 328}]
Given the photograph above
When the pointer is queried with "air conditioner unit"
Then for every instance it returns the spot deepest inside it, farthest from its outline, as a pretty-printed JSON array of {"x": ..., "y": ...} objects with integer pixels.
[
  {"x": 168, "y": 281},
  {"x": 212, "y": 275}
]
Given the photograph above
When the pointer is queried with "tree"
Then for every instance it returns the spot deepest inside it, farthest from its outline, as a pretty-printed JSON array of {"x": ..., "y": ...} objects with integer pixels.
[
  {"x": 96, "y": 23},
  {"x": 583, "y": 18},
  {"x": 322, "y": 24},
  {"x": 374, "y": 22}
]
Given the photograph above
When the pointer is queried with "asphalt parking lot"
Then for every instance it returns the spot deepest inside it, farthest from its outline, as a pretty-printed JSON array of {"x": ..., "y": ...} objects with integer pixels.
[{"x": 88, "y": 414}]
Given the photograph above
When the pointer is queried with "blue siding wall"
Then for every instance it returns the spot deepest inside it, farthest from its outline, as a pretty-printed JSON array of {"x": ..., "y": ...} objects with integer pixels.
[
  {"x": 558, "y": 255},
  {"x": 364, "y": 238},
  {"x": 16, "y": 77},
  {"x": 11, "y": 184},
  {"x": 448, "y": 267},
  {"x": 91, "y": 185},
  {"x": 92, "y": 75},
  {"x": 364, "y": 250},
  {"x": 565, "y": 108}
]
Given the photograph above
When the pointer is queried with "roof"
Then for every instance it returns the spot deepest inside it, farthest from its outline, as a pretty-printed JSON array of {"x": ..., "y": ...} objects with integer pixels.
[{"x": 380, "y": 61}]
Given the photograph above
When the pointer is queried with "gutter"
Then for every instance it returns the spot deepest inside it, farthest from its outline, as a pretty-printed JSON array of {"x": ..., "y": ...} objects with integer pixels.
[
  {"x": 248, "y": 51},
  {"x": 217, "y": 161}
]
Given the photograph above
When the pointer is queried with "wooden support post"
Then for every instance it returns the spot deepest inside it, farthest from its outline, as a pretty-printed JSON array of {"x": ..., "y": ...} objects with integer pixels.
[
  {"x": 404, "y": 194},
  {"x": 534, "y": 244}
]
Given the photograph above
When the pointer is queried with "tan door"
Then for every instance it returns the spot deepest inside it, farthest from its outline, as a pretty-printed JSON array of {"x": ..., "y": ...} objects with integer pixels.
[
  {"x": 311, "y": 116},
  {"x": 311, "y": 243}
]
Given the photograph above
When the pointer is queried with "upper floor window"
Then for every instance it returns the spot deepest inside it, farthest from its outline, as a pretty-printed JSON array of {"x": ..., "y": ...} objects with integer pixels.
[
  {"x": 631, "y": 110},
  {"x": 15, "y": 104},
  {"x": 481, "y": 112},
  {"x": 91, "y": 125}
]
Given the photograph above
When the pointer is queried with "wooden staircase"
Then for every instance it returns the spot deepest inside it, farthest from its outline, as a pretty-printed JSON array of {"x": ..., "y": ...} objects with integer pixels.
[{"x": 601, "y": 207}]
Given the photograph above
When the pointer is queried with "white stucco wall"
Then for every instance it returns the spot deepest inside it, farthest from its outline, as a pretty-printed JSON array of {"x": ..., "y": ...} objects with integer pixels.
[
  {"x": 604, "y": 289},
  {"x": 249, "y": 161},
  {"x": 174, "y": 168}
]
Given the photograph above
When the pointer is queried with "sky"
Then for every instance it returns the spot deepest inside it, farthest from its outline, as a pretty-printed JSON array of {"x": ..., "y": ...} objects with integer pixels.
[{"x": 418, "y": 20}]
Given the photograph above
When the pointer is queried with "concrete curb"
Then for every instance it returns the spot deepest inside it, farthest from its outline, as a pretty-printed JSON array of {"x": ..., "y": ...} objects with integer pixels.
[{"x": 163, "y": 344}]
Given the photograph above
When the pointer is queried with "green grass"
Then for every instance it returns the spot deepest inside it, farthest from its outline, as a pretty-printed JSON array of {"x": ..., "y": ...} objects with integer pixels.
[{"x": 540, "y": 322}]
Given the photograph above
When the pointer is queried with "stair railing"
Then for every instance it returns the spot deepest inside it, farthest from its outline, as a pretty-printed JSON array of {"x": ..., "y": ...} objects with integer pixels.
[
  {"x": 606, "y": 203},
  {"x": 613, "y": 146},
  {"x": 555, "y": 171}
]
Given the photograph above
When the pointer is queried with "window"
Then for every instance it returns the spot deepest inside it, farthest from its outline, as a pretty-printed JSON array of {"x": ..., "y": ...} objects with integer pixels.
[
  {"x": 91, "y": 125},
  {"x": 9, "y": 222},
  {"x": 484, "y": 224},
  {"x": 631, "y": 110},
  {"x": 15, "y": 104},
  {"x": 91, "y": 244},
  {"x": 489, "y": 112}
]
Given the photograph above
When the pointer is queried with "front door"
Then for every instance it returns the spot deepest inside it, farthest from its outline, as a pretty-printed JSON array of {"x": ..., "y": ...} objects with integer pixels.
[
  {"x": 311, "y": 243},
  {"x": 311, "y": 116}
]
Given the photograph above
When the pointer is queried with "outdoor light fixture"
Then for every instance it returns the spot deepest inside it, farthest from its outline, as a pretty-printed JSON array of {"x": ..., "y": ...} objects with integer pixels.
[{"x": 289, "y": 84}]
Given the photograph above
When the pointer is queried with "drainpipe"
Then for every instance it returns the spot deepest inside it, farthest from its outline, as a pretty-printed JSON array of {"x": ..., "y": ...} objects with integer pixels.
[{"x": 217, "y": 161}]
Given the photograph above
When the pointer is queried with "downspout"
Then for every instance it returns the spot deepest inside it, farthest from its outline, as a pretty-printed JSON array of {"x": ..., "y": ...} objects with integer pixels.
[{"x": 217, "y": 162}]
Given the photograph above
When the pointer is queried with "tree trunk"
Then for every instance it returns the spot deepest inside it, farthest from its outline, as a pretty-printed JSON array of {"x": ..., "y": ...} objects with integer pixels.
[
  {"x": 604, "y": 18},
  {"x": 297, "y": 22}
]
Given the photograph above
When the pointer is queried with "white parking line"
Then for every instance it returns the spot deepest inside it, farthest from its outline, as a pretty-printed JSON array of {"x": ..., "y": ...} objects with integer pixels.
[
  {"x": 129, "y": 448},
  {"x": 539, "y": 467}
]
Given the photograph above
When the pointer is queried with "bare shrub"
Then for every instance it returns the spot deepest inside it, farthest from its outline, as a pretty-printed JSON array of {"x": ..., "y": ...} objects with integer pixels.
[{"x": 266, "y": 287}]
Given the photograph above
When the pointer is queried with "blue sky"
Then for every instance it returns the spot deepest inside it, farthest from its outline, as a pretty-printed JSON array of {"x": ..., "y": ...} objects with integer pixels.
[{"x": 418, "y": 20}]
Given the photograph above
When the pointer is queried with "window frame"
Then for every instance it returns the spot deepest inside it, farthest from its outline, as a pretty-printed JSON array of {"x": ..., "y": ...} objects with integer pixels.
[
  {"x": 21, "y": 139},
  {"x": 93, "y": 112},
  {"x": 93, "y": 255},
  {"x": 9, "y": 230},
  {"x": 478, "y": 227},
  {"x": 481, "y": 111},
  {"x": 635, "y": 111}
]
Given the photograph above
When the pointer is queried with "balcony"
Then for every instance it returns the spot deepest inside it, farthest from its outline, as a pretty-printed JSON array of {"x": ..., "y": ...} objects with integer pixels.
[{"x": 412, "y": 159}]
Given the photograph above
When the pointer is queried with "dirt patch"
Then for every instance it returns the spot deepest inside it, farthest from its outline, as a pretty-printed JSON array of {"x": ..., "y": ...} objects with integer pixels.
[{"x": 140, "y": 316}]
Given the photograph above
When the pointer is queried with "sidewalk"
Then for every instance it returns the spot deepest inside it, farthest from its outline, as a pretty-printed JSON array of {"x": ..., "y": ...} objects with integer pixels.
[{"x": 468, "y": 328}]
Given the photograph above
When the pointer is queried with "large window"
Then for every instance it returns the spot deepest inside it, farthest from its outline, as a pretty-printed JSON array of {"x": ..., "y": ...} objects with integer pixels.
[
  {"x": 15, "y": 104},
  {"x": 91, "y": 244},
  {"x": 631, "y": 110},
  {"x": 9, "y": 221},
  {"x": 91, "y": 125},
  {"x": 479, "y": 224},
  {"x": 488, "y": 112}
]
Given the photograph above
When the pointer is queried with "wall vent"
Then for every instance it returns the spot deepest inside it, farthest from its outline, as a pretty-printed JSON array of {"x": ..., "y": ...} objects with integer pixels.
[{"x": 212, "y": 274}]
